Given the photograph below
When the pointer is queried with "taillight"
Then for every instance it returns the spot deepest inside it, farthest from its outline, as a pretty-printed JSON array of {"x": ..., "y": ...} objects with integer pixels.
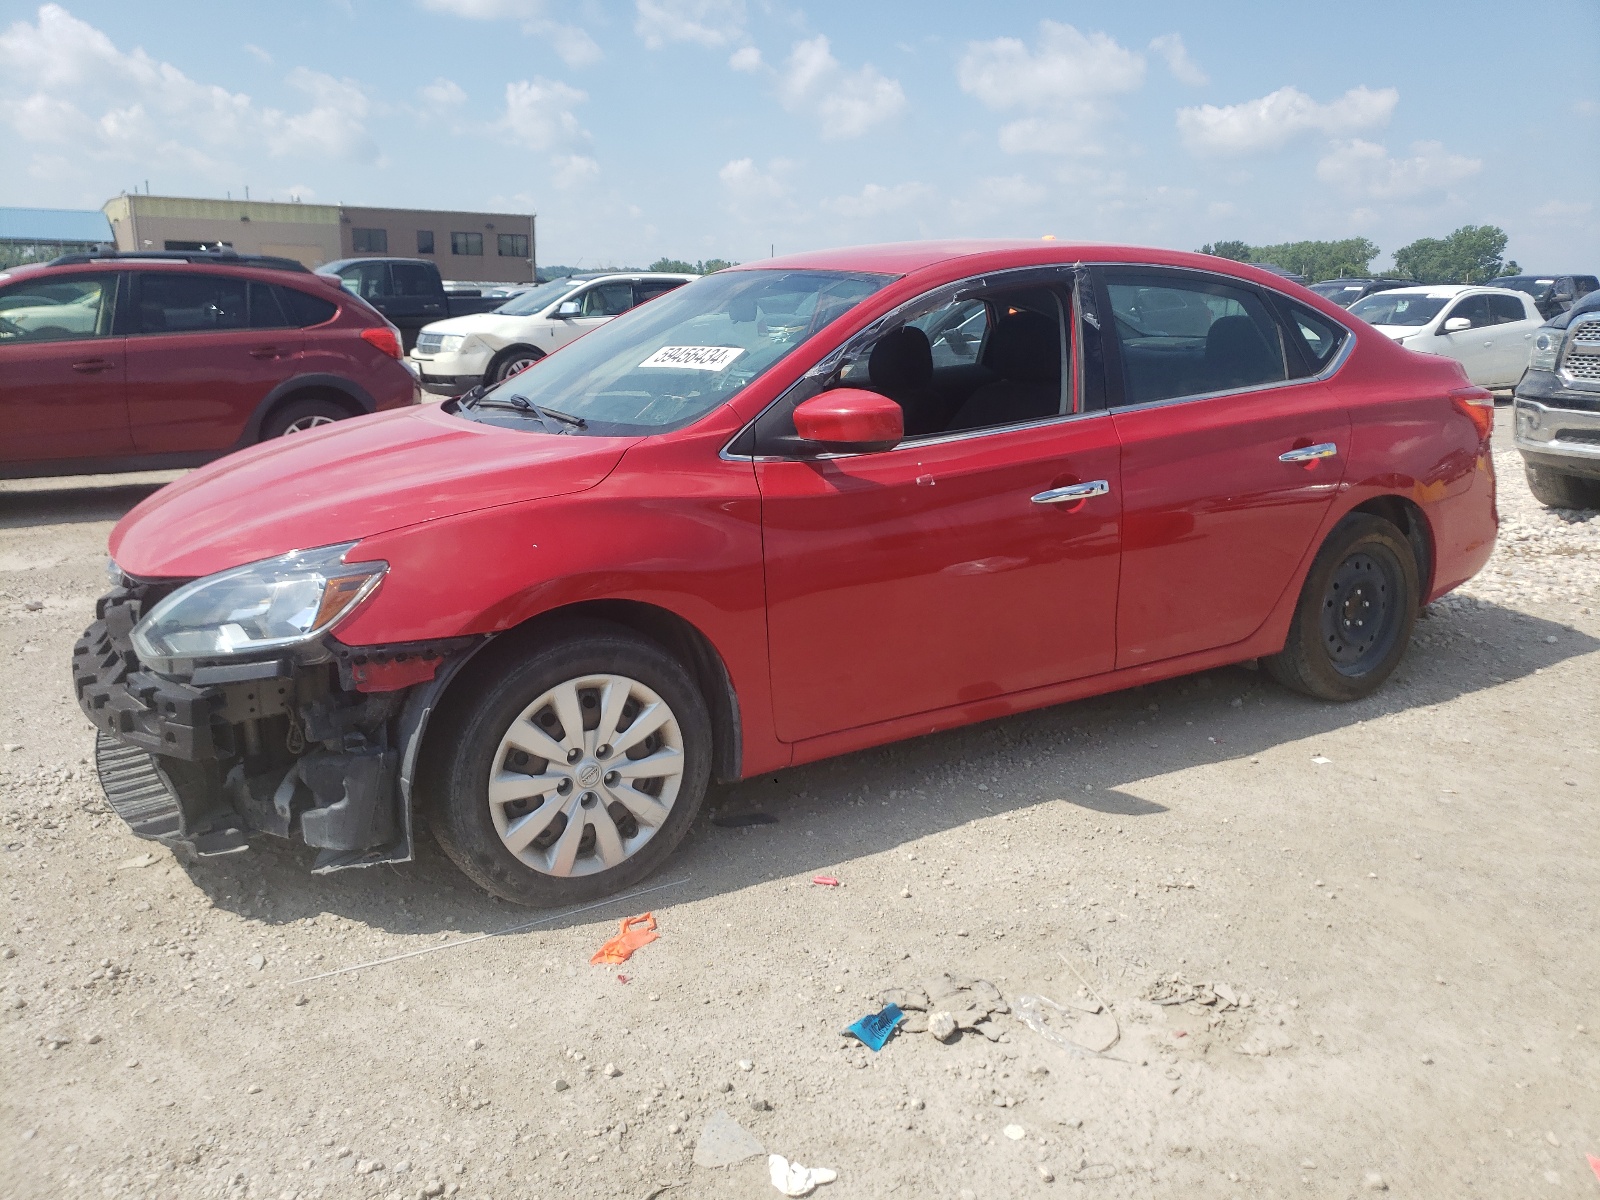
[
  {"x": 384, "y": 339},
  {"x": 1477, "y": 405}
]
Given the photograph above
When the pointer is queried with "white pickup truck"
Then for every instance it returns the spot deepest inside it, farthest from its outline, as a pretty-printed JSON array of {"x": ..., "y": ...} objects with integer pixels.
[{"x": 459, "y": 353}]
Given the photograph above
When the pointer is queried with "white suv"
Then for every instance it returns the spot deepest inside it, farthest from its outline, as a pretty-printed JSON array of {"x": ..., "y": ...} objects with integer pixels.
[{"x": 461, "y": 352}]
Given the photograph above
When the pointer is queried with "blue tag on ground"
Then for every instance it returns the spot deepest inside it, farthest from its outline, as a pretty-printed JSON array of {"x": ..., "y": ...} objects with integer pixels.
[{"x": 874, "y": 1028}]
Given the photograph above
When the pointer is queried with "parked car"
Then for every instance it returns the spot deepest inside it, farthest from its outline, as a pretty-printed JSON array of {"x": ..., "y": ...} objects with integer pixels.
[
  {"x": 1489, "y": 331},
  {"x": 407, "y": 291},
  {"x": 1345, "y": 292},
  {"x": 137, "y": 362},
  {"x": 791, "y": 510},
  {"x": 455, "y": 355},
  {"x": 1557, "y": 417},
  {"x": 1554, "y": 294}
]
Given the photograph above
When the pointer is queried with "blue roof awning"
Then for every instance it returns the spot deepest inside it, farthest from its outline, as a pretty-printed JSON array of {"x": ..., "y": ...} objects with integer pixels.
[{"x": 54, "y": 225}]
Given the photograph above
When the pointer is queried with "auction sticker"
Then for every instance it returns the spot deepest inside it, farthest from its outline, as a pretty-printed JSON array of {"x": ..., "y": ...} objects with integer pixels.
[{"x": 694, "y": 358}]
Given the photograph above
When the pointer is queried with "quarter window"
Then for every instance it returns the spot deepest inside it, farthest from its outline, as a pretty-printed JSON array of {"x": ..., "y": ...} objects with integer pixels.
[
  {"x": 66, "y": 308},
  {"x": 305, "y": 309},
  {"x": 513, "y": 245},
  {"x": 369, "y": 241},
  {"x": 172, "y": 302},
  {"x": 424, "y": 241},
  {"x": 466, "y": 243},
  {"x": 1191, "y": 336},
  {"x": 1320, "y": 338}
]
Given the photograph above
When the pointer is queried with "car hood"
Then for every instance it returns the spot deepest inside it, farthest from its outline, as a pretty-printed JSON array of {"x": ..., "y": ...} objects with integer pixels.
[
  {"x": 489, "y": 323},
  {"x": 348, "y": 481}
]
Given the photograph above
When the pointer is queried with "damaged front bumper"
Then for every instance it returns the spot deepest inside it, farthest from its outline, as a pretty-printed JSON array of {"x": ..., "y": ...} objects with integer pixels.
[{"x": 321, "y": 746}]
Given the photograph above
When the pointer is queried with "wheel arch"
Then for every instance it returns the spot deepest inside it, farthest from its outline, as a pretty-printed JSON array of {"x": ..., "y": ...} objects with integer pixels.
[
  {"x": 673, "y": 633},
  {"x": 1407, "y": 516},
  {"x": 504, "y": 352},
  {"x": 341, "y": 391}
]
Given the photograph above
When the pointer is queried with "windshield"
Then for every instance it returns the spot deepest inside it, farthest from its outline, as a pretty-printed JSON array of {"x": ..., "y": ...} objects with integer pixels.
[
  {"x": 539, "y": 298},
  {"x": 673, "y": 360},
  {"x": 1388, "y": 308}
]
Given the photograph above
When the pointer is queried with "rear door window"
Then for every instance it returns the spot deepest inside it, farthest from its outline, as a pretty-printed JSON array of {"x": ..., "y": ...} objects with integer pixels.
[
  {"x": 304, "y": 309},
  {"x": 649, "y": 289},
  {"x": 266, "y": 310},
  {"x": 413, "y": 279},
  {"x": 1505, "y": 309},
  {"x": 57, "y": 308},
  {"x": 183, "y": 302},
  {"x": 1191, "y": 335}
]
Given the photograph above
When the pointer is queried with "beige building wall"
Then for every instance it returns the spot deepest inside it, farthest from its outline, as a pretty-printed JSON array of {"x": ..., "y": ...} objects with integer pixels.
[
  {"x": 401, "y": 227},
  {"x": 308, "y": 233}
]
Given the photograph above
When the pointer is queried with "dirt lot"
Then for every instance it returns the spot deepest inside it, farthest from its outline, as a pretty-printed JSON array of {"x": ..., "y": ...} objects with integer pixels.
[{"x": 1400, "y": 895}]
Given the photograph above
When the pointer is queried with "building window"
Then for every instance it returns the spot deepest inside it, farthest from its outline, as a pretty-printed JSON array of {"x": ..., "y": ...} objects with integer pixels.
[
  {"x": 369, "y": 241},
  {"x": 424, "y": 241},
  {"x": 466, "y": 243},
  {"x": 513, "y": 245}
]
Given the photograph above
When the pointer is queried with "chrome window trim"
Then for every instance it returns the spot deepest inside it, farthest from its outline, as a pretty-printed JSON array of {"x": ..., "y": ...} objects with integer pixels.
[{"x": 830, "y": 360}]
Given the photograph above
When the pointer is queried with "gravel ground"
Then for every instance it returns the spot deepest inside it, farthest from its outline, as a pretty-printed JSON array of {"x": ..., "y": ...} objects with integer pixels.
[{"x": 1397, "y": 896}]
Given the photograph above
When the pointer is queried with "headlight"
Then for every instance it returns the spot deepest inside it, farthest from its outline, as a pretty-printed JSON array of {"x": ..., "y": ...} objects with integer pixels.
[
  {"x": 451, "y": 342},
  {"x": 1546, "y": 349},
  {"x": 259, "y": 607}
]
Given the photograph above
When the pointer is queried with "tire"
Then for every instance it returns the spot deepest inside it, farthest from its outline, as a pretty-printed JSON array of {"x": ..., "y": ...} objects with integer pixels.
[
  {"x": 1557, "y": 489},
  {"x": 487, "y": 795},
  {"x": 297, "y": 416},
  {"x": 508, "y": 362},
  {"x": 1356, "y": 611}
]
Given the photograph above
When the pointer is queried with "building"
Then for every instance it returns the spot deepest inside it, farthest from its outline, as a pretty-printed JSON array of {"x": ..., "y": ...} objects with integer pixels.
[
  {"x": 489, "y": 247},
  {"x": 40, "y": 234}
]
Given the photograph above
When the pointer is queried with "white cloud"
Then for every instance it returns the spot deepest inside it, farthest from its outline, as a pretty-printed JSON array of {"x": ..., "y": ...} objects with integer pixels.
[
  {"x": 849, "y": 103},
  {"x": 876, "y": 200},
  {"x": 1065, "y": 84},
  {"x": 709, "y": 23},
  {"x": 443, "y": 93},
  {"x": 574, "y": 45},
  {"x": 259, "y": 53},
  {"x": 757, "y": 196},
  {"x": 1274, "y": 120},
  {"x": 539, "y": 113},
  {"x": 62, "y": 80},
  {"x": 1365, "y": 168},
  {"x": 746, "y": 58},
  {"x": 1184, "y": 69},
  {"x": 574, "y": 170}
]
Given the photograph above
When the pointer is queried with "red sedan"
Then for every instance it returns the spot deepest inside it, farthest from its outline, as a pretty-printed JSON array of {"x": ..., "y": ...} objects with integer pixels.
[{"x": 788, "y": 511}]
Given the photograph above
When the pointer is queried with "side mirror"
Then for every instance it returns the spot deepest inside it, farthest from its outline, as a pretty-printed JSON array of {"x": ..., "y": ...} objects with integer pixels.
[
  {"x": 569, "y": 308},
  {"x": 1456, "y": 325},
  {"x": 851, "y": 419}
]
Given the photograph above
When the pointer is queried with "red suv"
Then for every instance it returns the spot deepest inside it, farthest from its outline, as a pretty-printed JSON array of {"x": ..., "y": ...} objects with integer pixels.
[
  {"x": 788, "y": 511},
  {"x": 134, "y": 362}
]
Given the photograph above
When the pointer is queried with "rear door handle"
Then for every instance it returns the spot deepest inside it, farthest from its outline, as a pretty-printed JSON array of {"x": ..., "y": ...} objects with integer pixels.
[
  {"x": 1310, "y": 453},
  {"x": 264, "y": 352},
  {"x": 1073, "y": 491},
  {"x": 89, "y": 366}
]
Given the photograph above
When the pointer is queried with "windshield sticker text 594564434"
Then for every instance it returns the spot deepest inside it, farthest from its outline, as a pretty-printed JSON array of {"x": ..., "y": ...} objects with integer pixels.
[{"x": 694, "y": 358}]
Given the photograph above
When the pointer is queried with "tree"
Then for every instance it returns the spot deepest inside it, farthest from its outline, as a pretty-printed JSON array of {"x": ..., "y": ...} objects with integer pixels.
[
  {"x": 704, "y": 267},
  {"x": 1472, "y": 254},
  {"x": 1238, "y": 251},
  {"x": 1314, "y": 260}
]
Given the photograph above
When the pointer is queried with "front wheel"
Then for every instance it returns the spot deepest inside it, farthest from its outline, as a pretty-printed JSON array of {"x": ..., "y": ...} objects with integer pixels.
[
  {"x": 510, "y": 362},
  {"x": 298, "y": 416},
  {"x": 1355, "y": 615},
  {"x": 574, "y": 773},
  {"x": 1557, "y": 489}
]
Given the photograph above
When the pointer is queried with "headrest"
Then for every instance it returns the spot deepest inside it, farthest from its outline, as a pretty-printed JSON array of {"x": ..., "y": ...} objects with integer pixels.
[
  {"x": 901, "y": 359},
  {"x": 1026, "y": 346}
]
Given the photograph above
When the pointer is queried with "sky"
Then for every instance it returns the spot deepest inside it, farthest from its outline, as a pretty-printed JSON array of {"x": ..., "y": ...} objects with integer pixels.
[{"x": 637, "y": 129}]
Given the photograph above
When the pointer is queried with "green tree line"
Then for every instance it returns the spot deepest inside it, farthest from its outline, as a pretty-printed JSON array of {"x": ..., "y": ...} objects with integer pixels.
[
  {"x": 677, "y": 266},
  {"x": 1472, "y": 254}
]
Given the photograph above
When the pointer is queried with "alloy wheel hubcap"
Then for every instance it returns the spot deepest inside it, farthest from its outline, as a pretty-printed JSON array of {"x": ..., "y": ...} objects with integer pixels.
[
  {"x": 586, "y": 775},
  {"x": 305, "y": 423}
]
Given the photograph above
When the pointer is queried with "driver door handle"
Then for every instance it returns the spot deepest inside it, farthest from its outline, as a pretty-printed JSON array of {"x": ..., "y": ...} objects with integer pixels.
[
  {"x": 1310, "y": 453},
  {"x": 1073, "y": 491},
  {"x": 90, "y": 366}
]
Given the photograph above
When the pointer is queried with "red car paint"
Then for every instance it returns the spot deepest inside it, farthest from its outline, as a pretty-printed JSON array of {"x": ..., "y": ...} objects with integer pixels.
[
  {"x": 140, "y": 398},
  {"x": 872, "y": 597}
]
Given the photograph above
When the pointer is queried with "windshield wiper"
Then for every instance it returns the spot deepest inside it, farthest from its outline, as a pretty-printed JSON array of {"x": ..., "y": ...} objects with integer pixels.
[{"x": 555, "y": 414}]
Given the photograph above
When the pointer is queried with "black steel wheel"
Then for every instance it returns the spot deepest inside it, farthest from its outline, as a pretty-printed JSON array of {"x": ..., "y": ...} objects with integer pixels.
[{"x": 1355, "y": 615}]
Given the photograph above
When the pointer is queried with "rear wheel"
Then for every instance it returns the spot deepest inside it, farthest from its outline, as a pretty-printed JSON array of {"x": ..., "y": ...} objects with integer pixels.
[
  {"x": 300, "y": 415},
  {"x": 1355, "y": 615},
  {"x": 575, "y": 772},
  {"x": 1557, "y": 489},
  {"x": 509, "y": 362}
]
